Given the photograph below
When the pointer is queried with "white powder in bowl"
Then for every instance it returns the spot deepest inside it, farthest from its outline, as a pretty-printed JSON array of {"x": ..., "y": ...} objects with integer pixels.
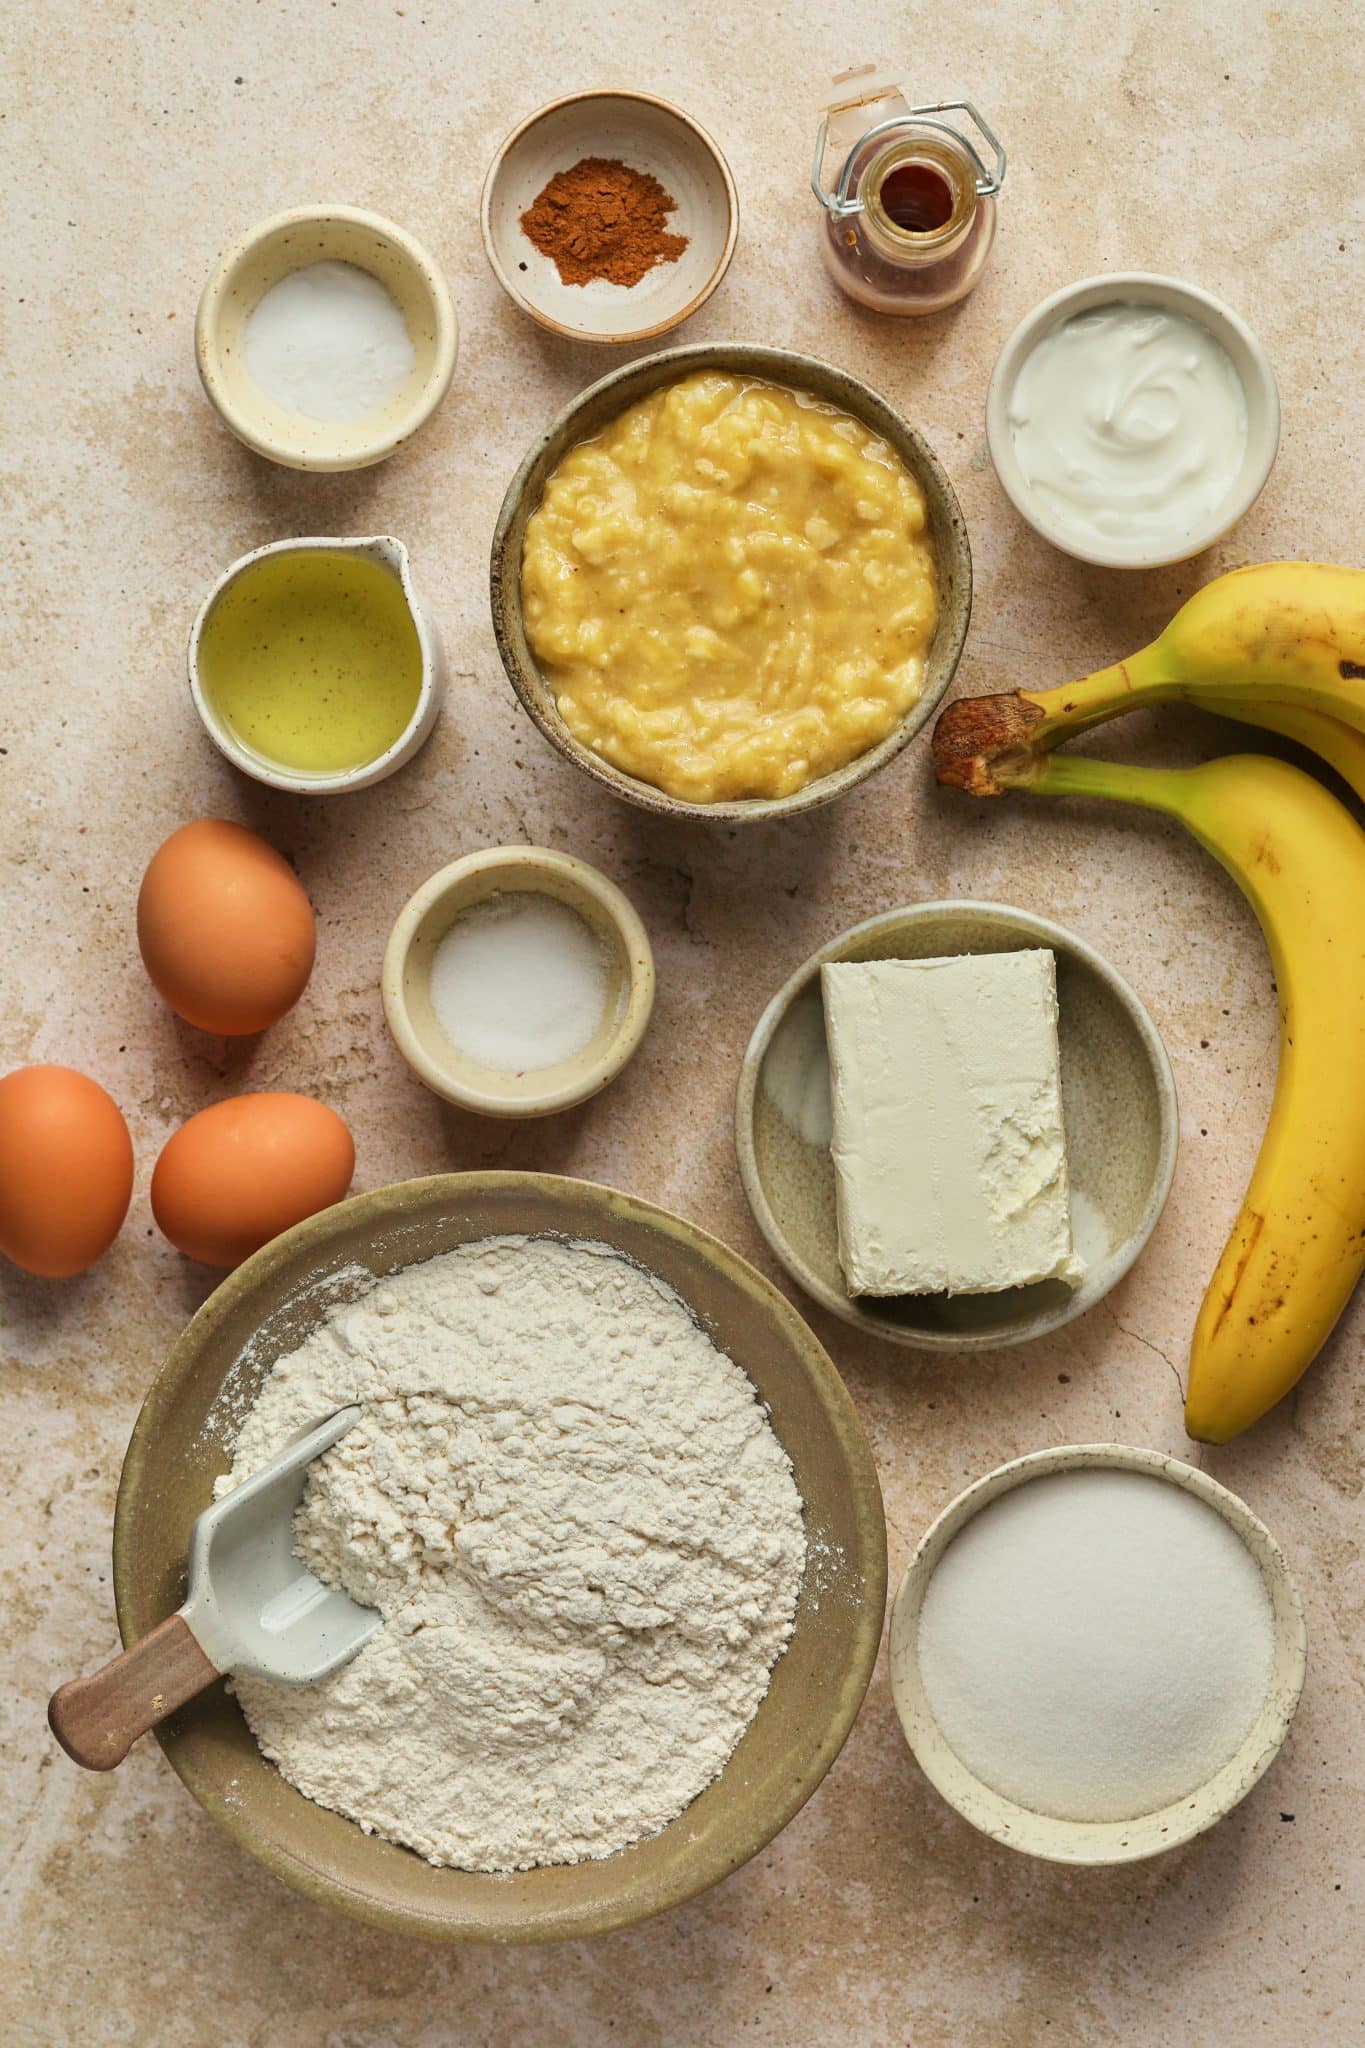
[
  {"x": 583, "y": 1535},
  {"x": 329, "y": 342},
  {"x": 519, "y": 982},
  {"x": 1096, "y": 1644}
]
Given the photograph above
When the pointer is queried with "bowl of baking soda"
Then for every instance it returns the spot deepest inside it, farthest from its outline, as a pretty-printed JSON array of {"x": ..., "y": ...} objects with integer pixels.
[
  {"x": 325, "y": 338},
  {"x": 1096, "y": 1652},
  {"x": 518, "y": 981}
]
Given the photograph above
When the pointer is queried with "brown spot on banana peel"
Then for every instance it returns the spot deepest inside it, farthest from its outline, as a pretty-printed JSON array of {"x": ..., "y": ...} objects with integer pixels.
[
  {"x": 1074, "y": 711},
  {"x": 984, "y": 744},
  {"x": 1223, "y": 1406},
  {"x": 1255, "y": 1224},
  {"x": 1351, "y": 671}
]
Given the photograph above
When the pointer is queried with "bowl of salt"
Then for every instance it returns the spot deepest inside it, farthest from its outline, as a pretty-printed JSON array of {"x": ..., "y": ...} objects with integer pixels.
[
  {"x": 325, "y": 338},
  {"x": 518, "y": 981},
  {"x": 1096, "y": 1652}
]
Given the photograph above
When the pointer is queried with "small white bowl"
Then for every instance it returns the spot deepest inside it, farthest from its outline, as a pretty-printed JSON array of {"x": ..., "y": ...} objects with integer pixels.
[
  {"x": 1249, "y": 359},
  {"x": 424, "y": 921},
  {"x": 269, "y": 252},
  {"x": 393, "y": 556},
  {"x": 648, "y": 134},
  {"x": 1110, "y": 1841}
]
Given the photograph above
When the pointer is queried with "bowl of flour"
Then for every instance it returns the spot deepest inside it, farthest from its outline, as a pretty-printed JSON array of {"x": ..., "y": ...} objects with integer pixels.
[{"x": 619, "y": 1517}]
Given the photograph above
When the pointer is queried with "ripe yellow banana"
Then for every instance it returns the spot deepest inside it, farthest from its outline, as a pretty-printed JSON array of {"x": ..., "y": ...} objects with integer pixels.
[
  {"x": 1298, "y": 1245},
  {"x": 1281, "y": 645}
]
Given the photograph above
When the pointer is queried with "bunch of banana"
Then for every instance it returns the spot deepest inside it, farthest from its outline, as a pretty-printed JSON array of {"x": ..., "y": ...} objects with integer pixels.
[
  {"x": 1292, "y": 659},
  {"x": 1281, "y": 645}
]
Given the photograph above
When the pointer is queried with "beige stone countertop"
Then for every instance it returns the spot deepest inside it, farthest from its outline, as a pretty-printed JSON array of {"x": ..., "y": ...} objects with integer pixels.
[{"x": 1213, "y": 141}]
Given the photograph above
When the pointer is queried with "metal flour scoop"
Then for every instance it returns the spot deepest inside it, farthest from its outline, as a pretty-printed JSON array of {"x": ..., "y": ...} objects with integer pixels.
[{"x": 252, "y": 1606}]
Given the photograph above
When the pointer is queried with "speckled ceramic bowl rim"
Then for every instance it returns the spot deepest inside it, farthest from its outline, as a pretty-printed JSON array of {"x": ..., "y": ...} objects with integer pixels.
[
  {"x": 1227, "y": 327},
  {"x": 383, "y": 1209},
  {"x": 781, "y": 366},
  {"x": 1098, "y": 1842},
  {"x": 434, "y": 289},
  {"x": 429, "y": 696},
  {"x": 590, "y": 885},
  {"x": 1096, "y": 1282},
  {"x": 624, "y": 336}
]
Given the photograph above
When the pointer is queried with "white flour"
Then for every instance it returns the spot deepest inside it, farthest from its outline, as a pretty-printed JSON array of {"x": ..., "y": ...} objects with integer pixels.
[{"x": 583, "y": 1535}]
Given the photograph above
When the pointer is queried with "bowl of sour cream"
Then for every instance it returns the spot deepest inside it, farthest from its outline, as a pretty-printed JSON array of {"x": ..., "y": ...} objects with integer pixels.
[{"x": 1132, "y": 419}]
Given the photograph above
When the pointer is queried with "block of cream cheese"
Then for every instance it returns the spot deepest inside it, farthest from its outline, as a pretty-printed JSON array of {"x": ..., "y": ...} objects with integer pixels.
[{"x": 949, "y": 1149}]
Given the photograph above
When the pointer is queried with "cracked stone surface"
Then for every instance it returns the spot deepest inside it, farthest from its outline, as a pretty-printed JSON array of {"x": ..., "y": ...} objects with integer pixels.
[{"x": 1215, "y": 143}]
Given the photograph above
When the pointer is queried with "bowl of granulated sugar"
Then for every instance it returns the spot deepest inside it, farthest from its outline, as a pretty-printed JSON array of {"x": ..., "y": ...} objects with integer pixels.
[
  {"x": 1096, "y": 1652},
  {"x": 325, "y": 337}
]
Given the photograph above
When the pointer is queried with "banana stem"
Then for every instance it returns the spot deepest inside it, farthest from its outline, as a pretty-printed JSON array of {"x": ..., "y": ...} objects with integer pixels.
[
  {"x": 978, "y": 741},
  {"x": 1071, "y": 708},
  {"x": 1182, "y": 793},
  {"x": 1157, "y": 789}
]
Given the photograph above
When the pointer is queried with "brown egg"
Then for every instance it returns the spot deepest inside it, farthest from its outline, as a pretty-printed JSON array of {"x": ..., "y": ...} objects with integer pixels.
[
  {"x": 226, "y": 931},
  {"x": 239, "y": 1173},
  {"x": 66, "y": 1170}
]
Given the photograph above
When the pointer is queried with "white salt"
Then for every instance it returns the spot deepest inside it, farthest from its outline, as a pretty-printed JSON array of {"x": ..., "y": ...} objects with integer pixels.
[
  {"x": 519, "y": 982},
  {"x": 329, "y": 342},
  {"x": 1096, "y": 1644}
]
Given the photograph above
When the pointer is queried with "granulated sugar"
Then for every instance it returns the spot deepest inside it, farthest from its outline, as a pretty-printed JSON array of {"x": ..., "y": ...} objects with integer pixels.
[
  {"x": 519, "y": 982},
  {"x": 1096, "y": 1644},
  {"x": 329, "y": 342}
]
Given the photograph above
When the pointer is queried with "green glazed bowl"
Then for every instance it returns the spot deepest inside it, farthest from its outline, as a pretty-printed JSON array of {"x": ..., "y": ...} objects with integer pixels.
[{"x": 183, "y": 1439}]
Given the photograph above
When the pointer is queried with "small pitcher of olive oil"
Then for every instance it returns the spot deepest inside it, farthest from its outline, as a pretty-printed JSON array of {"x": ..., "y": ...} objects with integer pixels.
[
  {"x": 313, "y": 666},
  {"x": 909, "y": 218}
]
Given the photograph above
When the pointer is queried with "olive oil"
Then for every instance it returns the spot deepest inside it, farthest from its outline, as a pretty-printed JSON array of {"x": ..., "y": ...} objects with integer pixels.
[{"x": 312, "y": 661}]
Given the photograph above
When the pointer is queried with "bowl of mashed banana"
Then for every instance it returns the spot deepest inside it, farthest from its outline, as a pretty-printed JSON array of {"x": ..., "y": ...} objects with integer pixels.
[{"x": 730, "y": 582}]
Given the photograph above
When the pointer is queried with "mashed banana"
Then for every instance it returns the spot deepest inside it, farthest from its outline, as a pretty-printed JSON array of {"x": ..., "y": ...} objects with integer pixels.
[{"x": 732, "y": 589}]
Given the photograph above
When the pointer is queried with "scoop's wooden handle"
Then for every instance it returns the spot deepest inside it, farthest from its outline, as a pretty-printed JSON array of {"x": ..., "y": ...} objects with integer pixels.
[{"x": 98, "y": 1719}]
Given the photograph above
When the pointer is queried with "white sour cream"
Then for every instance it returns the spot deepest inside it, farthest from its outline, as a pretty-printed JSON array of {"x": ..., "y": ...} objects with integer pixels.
[{"x": 1130, "y": 424}]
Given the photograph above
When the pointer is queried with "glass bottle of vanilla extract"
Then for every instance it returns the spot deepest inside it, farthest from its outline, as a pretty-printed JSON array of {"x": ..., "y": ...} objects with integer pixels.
[{"x": 910, "y": 217}]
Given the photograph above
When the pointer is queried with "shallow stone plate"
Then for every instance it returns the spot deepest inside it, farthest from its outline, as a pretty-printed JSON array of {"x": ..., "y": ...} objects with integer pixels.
[
  {"x": 592, "y": 410},
  {"x": 183, "y": 1438},
  {"x": 1118, "y": 1101}
]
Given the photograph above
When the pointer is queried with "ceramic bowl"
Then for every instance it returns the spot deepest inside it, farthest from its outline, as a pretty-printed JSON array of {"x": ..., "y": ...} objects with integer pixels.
[
  {"x": 269, "y": 252},
  {"x": 588, "y": 414},
  {"x": 183, "y": 1439},
  {"x": 392, "y": 556},
  {"x": 1249, "y": 359},
  {"x": 1118, "y": 1100},
  {"x": 424, "y": 921},
  {"x": 1070, "y": 1841},
  {"x": 649, "y": 135}
]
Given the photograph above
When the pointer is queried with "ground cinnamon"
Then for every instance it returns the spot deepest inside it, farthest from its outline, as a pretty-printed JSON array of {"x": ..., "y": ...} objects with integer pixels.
[{"x": 601, "y": 219}]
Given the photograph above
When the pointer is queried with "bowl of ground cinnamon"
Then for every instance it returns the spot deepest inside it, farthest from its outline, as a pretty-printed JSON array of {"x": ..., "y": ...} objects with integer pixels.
[{"x": 609, "y": 216}]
